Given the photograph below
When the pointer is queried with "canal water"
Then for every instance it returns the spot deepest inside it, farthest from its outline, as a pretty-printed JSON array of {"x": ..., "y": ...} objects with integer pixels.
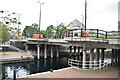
[{"x": 37, "y": 66}]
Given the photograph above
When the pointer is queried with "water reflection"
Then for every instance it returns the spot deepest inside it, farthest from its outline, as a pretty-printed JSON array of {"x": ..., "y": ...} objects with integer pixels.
[{"x": 27, "y": 68}]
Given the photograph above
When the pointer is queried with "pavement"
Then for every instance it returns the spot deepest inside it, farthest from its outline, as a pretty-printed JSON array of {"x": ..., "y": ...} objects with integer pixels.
[
  {"x": 10, "y": 55},
  {"x": 108, "y": 72}
]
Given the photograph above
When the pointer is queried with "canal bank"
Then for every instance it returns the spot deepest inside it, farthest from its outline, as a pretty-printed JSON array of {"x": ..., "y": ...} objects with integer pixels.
[
  {"x": 12, "y": 57},
  {"x": 35, "y": 66},
  {"x": 109, "y": 72}
]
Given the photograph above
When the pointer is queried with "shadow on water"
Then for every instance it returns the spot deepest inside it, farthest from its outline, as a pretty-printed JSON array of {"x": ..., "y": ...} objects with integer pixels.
[{"x": 37, "y": 66}]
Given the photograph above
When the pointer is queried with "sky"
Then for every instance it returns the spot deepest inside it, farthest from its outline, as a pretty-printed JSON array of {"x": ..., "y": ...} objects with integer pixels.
[{"x": 101, "y": 14}]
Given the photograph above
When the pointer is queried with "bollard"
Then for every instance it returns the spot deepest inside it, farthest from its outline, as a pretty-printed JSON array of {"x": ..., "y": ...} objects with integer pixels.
[
  {"x": 14, "y": 74},
  {"x": 51, "y": 70}
]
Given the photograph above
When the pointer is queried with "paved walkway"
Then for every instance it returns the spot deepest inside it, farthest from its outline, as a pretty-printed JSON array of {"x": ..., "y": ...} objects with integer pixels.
[
  {"x": 110, "y": 72},
  {"x": 14, "y": 55}
]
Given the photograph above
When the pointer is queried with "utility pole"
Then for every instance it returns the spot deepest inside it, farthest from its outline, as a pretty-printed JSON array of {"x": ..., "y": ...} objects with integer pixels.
[
  {"x": 85, "y": 13},
  {"x": 38, "y": 53},
  {"x": 19, "y": 23}
]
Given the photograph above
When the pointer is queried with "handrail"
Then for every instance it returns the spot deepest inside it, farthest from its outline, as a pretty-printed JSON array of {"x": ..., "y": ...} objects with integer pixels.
[
  {"x": 88, "y": 64},
  {"x": 94, "y": 33}
]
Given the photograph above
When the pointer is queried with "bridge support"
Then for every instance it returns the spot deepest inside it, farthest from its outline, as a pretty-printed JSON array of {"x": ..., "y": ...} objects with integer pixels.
[
  {"x": 26, "y": 46},
  {"x": 45, "y": 51},
  {"x": 115, "y": 56},
  {"x": 57, "y": 51},
  {"x": 78, "y": 50},
  {"x": 97, "y": 56},
  {"x": 119, "y": 57},
  {"x": 70, "y": 50},
  {"x": 102, "y": 55},
  {"x": 91, "y": 57},
  {"x": 112, "y": 57},
  {"x": 75, "y": 50},
  {"x": 38, "y": 51},
  {"x": 84, "y": 56},
  {"x": 51, "y": 54}
]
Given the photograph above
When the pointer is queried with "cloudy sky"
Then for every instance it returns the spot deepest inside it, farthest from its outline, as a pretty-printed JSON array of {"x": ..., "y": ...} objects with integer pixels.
[{"x": 101, "y": 14}]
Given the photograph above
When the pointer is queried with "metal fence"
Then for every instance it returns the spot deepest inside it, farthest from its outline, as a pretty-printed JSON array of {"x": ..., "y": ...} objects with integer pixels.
[
  {"x": 93, "y": 65},
  {"x": 93, "y": 33}
]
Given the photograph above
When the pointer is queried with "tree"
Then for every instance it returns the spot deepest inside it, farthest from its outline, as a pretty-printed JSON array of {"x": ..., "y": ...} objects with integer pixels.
[
  {"x": 60, "y": 31},
  {"x": 35, "y": 26},
  {"x": 28, "y": 31},
  {"x": 4, "y": 33},
  {"x": 9, "y": 19},
  {"x": 44, "y": 33},
  {"x": 50, "y": 31}
]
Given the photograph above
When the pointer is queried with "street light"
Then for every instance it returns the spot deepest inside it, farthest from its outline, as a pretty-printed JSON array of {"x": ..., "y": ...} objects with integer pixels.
[
  {"x": 85, "y": 13},
  {"x": 38, "y": 52},
  {"x": 82, "y": 20},
  {"x": 40, "y": 16},
  {"x": 18, "y": 22}
]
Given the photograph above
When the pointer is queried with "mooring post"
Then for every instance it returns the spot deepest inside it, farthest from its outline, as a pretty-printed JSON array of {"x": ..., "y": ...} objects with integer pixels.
[{"x": 14, "y": 74}]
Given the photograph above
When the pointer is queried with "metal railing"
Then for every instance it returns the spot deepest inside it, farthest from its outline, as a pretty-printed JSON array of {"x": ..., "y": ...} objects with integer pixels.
[
  {"x": 90, "y": 65},
  {"x": 93, "y": 33}
]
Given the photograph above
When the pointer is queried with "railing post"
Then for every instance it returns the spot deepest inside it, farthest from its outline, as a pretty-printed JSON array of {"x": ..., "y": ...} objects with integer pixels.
[
  {"x": 106, "y": 35},
  {"x": 81, "y": 32},
  {"x": 97, "y": 33}
]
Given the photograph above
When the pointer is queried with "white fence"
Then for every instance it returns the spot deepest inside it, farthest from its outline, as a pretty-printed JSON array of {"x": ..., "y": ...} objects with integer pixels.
[{"x": 88, "y": 64}]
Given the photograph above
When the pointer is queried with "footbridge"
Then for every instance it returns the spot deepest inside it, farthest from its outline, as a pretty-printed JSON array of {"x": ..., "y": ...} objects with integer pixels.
[{"x": 90, "y": 47}]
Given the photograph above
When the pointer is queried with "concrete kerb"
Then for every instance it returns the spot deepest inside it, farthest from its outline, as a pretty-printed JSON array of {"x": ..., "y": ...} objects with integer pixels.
[{"x": 45, "y": 72}]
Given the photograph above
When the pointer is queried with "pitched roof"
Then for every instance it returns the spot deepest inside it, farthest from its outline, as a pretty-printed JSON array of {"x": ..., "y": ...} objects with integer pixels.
[{"x": 75, "y": 23}]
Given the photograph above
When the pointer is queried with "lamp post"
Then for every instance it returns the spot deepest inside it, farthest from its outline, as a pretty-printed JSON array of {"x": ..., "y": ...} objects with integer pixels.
[
  {"x": 38, "y": 52},
  {"x": 18, "y": 22},
  {"x": 82, "y": 20},
  {"x": 40, "y": 15},
  {"x": 85, "y": 13}
]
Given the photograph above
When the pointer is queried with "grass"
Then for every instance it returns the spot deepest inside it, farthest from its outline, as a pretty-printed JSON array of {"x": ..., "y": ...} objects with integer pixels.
[
  {"x": 103, "y": 36},
  {"x": 4, "y": 54}
]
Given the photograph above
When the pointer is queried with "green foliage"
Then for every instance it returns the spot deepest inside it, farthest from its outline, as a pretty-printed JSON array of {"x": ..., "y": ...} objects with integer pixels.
[
  {"x": 29, "y": 31},
  {"x": 44, "y": 33},
  {"x": 4, "y": 33},
  {"x": 9, "y": 19},
  {"x": 60, "y": 31},
  {"x": 50, "y": 31}
]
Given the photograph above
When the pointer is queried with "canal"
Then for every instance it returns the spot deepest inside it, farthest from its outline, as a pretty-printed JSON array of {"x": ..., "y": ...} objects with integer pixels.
[{"x": 36, "y": 66}]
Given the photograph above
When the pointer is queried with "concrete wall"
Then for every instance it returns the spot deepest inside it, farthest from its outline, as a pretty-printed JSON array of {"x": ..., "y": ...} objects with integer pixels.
[{"x": 19, "y": 45}]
